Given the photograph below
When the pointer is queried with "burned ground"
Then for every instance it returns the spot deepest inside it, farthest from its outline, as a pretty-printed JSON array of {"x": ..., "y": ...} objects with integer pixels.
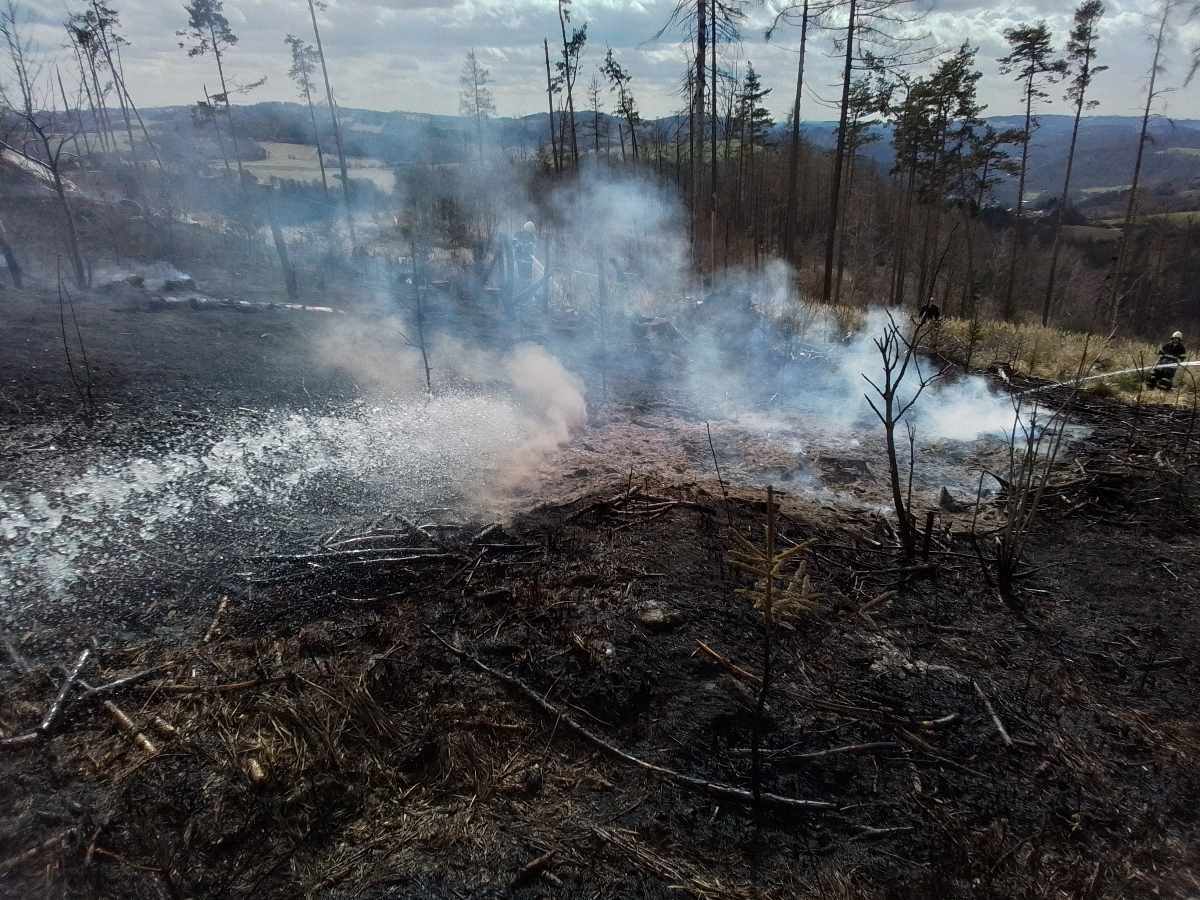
[{"x": 312, "y": 734}]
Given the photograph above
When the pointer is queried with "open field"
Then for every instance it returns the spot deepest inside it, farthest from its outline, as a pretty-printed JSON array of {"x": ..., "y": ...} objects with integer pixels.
[{"x": 299, "y": 162}]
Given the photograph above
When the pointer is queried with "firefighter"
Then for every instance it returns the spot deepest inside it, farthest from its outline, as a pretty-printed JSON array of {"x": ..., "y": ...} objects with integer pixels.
[
  {"x": 1170, "y": 355},
  {"x": 524, "y": 244}
]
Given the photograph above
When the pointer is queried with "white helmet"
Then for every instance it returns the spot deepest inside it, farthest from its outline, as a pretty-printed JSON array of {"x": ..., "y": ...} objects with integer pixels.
[
  {"x": 529, "y": 228},
  {"x": 1177, "y": 336}
]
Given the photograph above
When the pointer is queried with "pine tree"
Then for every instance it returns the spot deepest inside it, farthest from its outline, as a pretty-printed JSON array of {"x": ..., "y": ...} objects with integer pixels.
[
  {"x": 209, "y": 32},
  {"x": 475, "y": 97},
  {"x": 302, "y": 71},
  {"x": 1081, "y": 56},
  {"x": 1031, "y": 58}
]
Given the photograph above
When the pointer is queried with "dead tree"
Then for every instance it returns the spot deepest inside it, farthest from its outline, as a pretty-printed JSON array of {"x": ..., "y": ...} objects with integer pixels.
[
  {"x": 51, "y": 134},
  {"x": 1167, "y": 9},
  {"x": 550, "y": 88},
  {"x": 209, "y": 32},
  {"x": 301, "y": 72},
  {"x": 289, "y": 271},
  {"x": 898, "y": 354},
  {"x": 336, "y": 122}
]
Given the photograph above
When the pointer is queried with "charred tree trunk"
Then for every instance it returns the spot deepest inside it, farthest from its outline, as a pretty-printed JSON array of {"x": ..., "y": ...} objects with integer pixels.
[
  {"x": 701, "y": 63},
  {"x": 712, "y": 203},
  {"x": 337, "y": 125},
  {"x": 67, "y": 110},
  {"x": 1064, "y": 199},
  {"x": 237, "y": 154},
  {"x": 289, "y": 272},
  {"x": 550, "y": 102},
  {"x": 420, "y": 314},
  {"x": 116, "y": 79},
  {"x": 80, "y": 271},
  {"x": 835, "y": 190},
  {"x": 793, "y": 198},
  {"x": 217, "y": 129},
  {"x": 1126, "y": 230},
  {"x": 569, "y": 81},
  {"x": 1010, "y": 287},
  {"x": 312, "y": 114}
]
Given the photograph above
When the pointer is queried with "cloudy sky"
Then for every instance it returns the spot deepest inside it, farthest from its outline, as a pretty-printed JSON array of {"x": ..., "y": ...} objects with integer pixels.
[{"x": 407, "y": 54}]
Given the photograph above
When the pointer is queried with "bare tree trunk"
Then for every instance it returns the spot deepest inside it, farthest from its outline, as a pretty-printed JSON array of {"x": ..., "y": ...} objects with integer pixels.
[
  {"x": 847, "y": 207},
  {"x": 1012, "y": 259},
  {"x": 1062, "y": 206},
  {"x": 67, "y": 111},
  {"x": 68, "y": 216},
  {"x": 117, "y": 81},
  {"x": 899, "y": 282},
  {"x": 570, "y": 83},
  {"x": 10, "y": 258},
  {"x": 289, "y": 273},
  {"x": 835, "y": 190},
  {"x": 1127, "y": 228},
  {"x": 217, "y": 129},
  {"x": 693, "y": 184},
  {"x": 712, "y": 202},
  {"x": 550, "y": 101},
  {"x": 478, "y": 110},
  {"x": 91, "y": 105},
  {"x": 137, "y": 115},
  {"x": 312, "y": 113},
  {"x": 701, "y": 64},
  {"x": 420, "y": 311},
  {"x": 237, "y": 153},
  {"x": 789, "y": 221},
  {"x": 104, "y": 123},
  {"x": 337, "y": 125}
]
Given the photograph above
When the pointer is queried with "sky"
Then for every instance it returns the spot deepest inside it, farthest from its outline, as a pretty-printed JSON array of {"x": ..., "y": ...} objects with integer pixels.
[{"x": 408, "y": 54}]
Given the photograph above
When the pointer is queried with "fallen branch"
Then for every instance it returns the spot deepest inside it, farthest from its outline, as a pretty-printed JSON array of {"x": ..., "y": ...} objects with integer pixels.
[
  {"x": 722, "y": 791},
  {"x": 782, "y": 756},
  {"x": 728, "y": 664},
  {"x": 1008, "y": 742},
  {"x": 19, "y": 741},
  {"x": 173, "y": 688},
  {"x": 216, "y": 619},
  {"x": 120, "y": 683},
  {"x": 531, "y": 869},
  {"x": 130, "y": 728},
  {"x": 68, "y": 682}
]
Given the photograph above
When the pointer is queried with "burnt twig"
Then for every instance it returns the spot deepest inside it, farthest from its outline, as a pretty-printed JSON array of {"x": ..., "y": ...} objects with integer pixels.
[
  {"x": 1008, "y": 741},
  {"x": 688, "y": 782}
]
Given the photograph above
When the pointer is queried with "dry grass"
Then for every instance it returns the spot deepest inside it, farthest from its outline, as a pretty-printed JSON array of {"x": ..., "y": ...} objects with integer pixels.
[{"x": 1054, "y": 354}]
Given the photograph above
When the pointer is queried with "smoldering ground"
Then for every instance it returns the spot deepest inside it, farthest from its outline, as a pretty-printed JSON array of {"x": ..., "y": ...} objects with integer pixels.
[{"x": 509, "y": 389}]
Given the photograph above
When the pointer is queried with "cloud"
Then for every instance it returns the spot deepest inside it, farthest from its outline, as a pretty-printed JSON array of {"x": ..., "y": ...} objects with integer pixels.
[{"x": 406, "y": 54}]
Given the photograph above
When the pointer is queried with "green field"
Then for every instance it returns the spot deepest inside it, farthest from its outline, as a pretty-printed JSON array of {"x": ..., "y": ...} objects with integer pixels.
[{"x": 298, "y": 162}]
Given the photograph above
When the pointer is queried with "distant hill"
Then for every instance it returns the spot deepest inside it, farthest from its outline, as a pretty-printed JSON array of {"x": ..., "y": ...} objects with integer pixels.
[{"x": 1104, "y": 156}]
